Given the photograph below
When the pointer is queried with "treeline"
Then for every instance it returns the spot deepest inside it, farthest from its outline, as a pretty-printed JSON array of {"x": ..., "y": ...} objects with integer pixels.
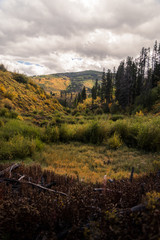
[{"x": 133, "y": 81}]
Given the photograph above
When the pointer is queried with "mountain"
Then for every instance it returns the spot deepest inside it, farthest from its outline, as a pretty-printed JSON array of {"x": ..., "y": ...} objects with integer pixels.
[
  {"x": 70, "y": 81},
  {"x": 20, "y": 93}
]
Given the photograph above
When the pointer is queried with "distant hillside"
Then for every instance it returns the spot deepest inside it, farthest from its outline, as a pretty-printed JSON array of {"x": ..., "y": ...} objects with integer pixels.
[
  {"x": 18, "y": 92},
  {"x": 71, "y": 82}
]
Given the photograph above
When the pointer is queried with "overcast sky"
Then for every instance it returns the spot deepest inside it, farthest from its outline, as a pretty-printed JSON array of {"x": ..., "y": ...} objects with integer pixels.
[{"x": 49, "y": 36}]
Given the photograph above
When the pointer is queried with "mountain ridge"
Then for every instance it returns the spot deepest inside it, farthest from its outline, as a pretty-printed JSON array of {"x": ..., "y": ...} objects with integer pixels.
[{"x": 69, "y": 81}]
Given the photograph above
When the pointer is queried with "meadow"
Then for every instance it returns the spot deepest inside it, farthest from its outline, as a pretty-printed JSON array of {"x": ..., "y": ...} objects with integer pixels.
[{"x": 86, "y": 147}]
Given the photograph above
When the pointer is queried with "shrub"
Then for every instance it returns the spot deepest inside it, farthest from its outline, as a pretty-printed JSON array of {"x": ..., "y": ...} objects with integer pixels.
[
  {"x": 21, "y": 78},
  {"x": 65, "y": 133},
  {"x": 8, "y": 94},
  {"x": 94, "y": 133},
  {"x": 2, "y": 89},
  {"x": 115, "y": 141},
  {"x": 116, "y": 117},
  {"x": 51, "y": 134},
  {"x": 115, "y": 108},
  {"x": 156, "y": 165},
  {"x": 99, "y": 111},
  {"x": 3, "y": 68},
  {"x": 149, "y": 137},
  {"x": 19, "y": 147},
  {"x": 14, "y": 127},
  {"x": 1, "y": 123},
  {"x": 7, "y": 103}
]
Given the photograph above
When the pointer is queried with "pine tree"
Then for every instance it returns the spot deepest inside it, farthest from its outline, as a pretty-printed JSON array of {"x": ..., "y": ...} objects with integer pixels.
[
  {"x": 118, "y": 80},
  {"x": 103, "y": 85},
  {"x": 83, "y": 93},
  {"x": 108, "y": 93}
]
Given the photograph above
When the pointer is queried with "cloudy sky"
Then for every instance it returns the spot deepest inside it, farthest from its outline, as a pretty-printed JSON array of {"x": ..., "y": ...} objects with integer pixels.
[{"x": 49, "y": 36}]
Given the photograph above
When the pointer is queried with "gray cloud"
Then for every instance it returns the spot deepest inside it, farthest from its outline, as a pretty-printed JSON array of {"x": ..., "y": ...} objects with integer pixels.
[{"x": 53, "y": 33}]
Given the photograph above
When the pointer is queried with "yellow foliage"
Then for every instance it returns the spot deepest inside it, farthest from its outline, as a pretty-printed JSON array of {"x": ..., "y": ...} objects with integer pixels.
[
  {"x": 115, "y": 141},
  {"x": 140, "y": 113},
  {"x": 34, "y": 99},
  {"x": 110, "y": 105},
  {"x": 152, "y": 199},
  {"x": 2, "y": 89},
  {"x": 20, "y": 117},
  {"x": 42, "y": 95}
]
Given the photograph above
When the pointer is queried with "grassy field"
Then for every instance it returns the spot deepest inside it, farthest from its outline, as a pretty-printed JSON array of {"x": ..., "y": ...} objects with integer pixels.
[
  {"x": 90, "y": 163},
  {"x": 86, "y": 147}
]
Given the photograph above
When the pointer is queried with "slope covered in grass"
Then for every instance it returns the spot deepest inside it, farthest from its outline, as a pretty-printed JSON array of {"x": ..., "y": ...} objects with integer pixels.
[{"x": 18, "y": 92}]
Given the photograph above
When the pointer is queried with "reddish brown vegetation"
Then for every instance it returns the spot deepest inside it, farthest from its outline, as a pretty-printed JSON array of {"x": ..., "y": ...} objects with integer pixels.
[{"x": 28, "y": 212}]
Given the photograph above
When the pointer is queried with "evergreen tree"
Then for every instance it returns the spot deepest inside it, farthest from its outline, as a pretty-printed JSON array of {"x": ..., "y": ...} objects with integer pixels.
[
  {"x": 103, "y": 85},
  {"x": 93, "y": 91},
  {"x": 118, "y": 80},
  {"x": 108, "y": 93},
  {"x": 83, "y": 93}
]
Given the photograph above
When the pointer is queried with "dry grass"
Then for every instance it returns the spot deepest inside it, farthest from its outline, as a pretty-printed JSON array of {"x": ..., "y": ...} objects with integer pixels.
[{"x": 91, "y": 163}]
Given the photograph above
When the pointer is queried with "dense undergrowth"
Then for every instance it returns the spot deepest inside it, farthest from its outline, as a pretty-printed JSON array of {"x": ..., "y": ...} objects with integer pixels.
[{"x": 28, "y": 212}]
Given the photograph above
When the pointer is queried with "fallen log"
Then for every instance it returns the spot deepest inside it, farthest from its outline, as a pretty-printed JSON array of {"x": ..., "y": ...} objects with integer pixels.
[
  {"x": 9, "y": 169},
  {"x": 13, "y": 181}
]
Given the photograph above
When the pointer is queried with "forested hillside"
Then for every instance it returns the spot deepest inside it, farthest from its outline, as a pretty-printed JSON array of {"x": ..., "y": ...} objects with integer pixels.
[
  {"x": 133, "y": 87},
  {"x": 69, "y": 82}
]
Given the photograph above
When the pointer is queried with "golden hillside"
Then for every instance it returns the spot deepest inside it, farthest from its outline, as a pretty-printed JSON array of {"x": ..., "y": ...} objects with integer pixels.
[
  {"x": 20, "y": 93},
  {"x": 53, "y": 83}
]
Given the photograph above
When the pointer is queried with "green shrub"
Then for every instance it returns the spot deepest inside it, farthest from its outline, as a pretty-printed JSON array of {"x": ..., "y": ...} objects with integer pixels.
[
  {"x": 94, "y": 133},
  {"x": 115, "y": 141},
  {"x": 65, "y": 133},
  {"x": 115, "y": 108},
  {"x": 4, "y": 112},
  {"x": 60, "y": 120},
  {"x": 9, "y": 95},
  {"x": 116, "y": 117},
  {"x": 51, "y": 134},
  {"x": 3, "y": 68},
  {"x": 149, "y": 137},
  {"x": 1, "y": 123},
  {"x": 19, "y": 147},
  {"x": 14, "y": 127},
  {"x": 98, "y": 111},
  {"x": 21, "y": 78}
]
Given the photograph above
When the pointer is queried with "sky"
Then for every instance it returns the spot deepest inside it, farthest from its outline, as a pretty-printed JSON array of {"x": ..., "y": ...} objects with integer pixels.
[{"x": 52, "y": 36}]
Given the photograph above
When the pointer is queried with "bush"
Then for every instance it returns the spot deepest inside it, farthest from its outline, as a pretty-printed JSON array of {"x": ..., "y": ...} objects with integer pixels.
[
  {"x": 7, "y": 103},
  {"x": 14, "y": 127},
  {"x": 149, "y": 137},
  {"x": 1, "y": 123},
  {"x": 93, "y": 133},
  {"x": 19, "y": 147},
  {"x": 98, "y": 111},
  {"x": 4, "y": 112},
  {"x": 21, "y": 78},
  {"x": 3, "y": 68},
  {"x": 9, "y": 95},
  {"x": 116, "y": 117},
  {"x": 115, "y": 141},
  {"x": 115, "y": 108},
  {"x": 65, "y": 133},
  {"x": 51, "y": 134}
]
